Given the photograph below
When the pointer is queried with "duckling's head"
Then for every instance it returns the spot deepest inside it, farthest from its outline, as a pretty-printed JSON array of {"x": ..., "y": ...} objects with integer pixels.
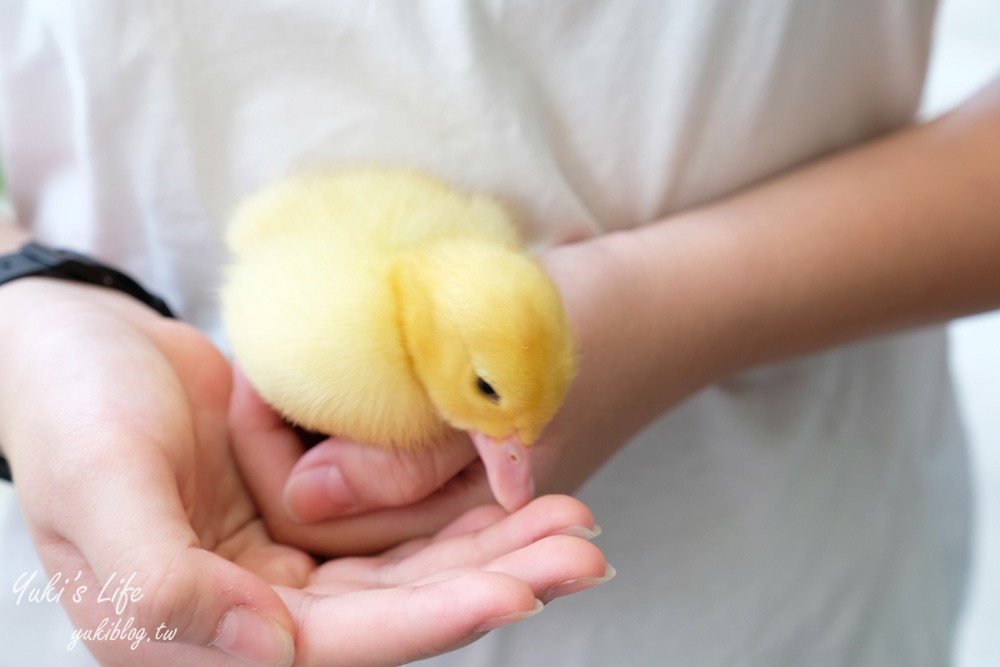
[{"x": 490, "y": 343}]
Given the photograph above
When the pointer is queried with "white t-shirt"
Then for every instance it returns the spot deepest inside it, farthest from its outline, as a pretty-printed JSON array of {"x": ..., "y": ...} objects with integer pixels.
[{"x": 810, "y": 513}]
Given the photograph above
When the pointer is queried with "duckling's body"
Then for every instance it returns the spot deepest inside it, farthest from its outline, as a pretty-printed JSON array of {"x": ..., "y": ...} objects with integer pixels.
[{"x": 376, "y": 304}]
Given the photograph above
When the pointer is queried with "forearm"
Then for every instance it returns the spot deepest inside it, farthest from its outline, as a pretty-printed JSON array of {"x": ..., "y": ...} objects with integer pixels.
[
  {"x": 11, "y": 235},
  {"x": 900, "y": 232}
]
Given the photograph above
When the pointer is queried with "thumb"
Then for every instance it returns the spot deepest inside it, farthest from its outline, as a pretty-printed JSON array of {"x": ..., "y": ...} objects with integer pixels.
[
  {"x": 341, "y": 477},
  {"x": 336, "y": 478},
  {"x": 146, "y": 577},
  {"x": 180, "y": 609}
]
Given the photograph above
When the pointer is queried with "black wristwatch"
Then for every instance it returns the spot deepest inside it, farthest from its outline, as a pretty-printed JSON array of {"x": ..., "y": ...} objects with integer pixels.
[{"x": 35, "y": 259}]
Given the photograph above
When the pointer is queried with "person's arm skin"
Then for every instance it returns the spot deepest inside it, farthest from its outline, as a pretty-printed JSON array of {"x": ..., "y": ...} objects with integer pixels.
[
  {"x": 897, "y": 233},
  {"x": 114, "y": 421},
  {"x": 11, "y": 236}
]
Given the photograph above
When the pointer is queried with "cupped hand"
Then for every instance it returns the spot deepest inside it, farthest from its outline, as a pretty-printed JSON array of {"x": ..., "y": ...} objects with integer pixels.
[
  {"x": 344, "y": 497},
  {"x": 114, "y": 421}
]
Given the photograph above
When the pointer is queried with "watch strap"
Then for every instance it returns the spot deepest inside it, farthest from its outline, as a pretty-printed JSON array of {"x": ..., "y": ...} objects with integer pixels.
[{"x": 35, "y": 259}]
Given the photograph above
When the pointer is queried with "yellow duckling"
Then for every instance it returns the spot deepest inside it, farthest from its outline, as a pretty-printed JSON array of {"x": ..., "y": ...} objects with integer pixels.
[{"x": 384, "y": 306}]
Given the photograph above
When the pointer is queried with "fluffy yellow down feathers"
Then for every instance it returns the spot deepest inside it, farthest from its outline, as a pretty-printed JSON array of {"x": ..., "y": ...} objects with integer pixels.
[{"x": 384, "y": 306}]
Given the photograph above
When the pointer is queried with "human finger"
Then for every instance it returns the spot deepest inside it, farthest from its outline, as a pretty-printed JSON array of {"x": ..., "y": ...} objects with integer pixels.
[
  {"x": 422, "y": 620},
  {"x": 338, "y": 477},
  {"x": 544, "y": 517},
  {"x": 134, "y": 534}
]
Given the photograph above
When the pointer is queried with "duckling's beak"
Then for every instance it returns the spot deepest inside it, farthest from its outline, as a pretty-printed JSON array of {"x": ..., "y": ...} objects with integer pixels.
[{"x": 508, "y": 469}]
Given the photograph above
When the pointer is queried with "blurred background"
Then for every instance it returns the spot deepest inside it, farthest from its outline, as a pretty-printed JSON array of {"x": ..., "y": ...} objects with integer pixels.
[{"x": 966, "y": 55}]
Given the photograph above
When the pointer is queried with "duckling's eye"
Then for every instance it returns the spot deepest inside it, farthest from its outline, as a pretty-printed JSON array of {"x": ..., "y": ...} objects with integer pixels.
[{"x": 486, "y": 390}]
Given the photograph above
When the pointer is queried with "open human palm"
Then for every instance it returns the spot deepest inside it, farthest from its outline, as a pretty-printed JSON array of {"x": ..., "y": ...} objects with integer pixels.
[{"x": 116, "y": 425}]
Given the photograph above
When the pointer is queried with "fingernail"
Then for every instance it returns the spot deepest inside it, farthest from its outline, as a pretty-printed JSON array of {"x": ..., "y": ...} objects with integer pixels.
[
  {"x": 247, "y": 635},
  {"x": 581, "y": 531},
  {"x": 323, "y": 490},
  {"x": 577, "y": 585},
  {"x": 501, "y": 621}
]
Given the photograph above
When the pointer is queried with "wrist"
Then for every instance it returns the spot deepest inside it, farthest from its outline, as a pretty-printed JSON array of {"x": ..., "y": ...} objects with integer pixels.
[
  {"x": 52, "y": 302},
  {"x": 678, "y": 283},
  {"x": 649, "y": 324}
]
